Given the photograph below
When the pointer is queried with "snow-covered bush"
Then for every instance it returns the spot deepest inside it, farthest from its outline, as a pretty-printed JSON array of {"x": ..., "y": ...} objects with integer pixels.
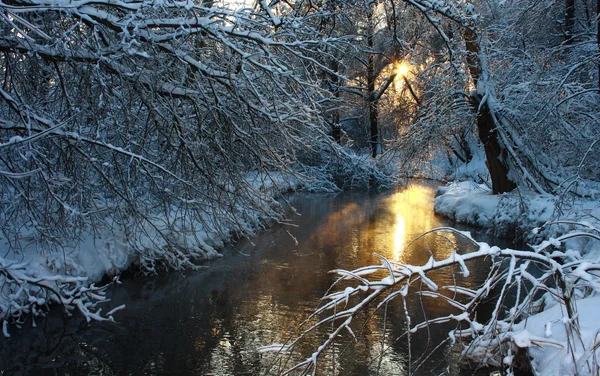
[
  {"x": 551, "y": 286},
  {"x": 148, "y": 116},
  {"x": 332, "y": 168}
]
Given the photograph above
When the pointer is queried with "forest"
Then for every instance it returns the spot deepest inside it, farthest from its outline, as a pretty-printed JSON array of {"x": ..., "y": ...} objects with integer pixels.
[{"x": 149, "y": 133}]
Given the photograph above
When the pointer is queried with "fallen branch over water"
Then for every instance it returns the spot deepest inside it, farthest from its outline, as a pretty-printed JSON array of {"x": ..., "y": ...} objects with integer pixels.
[{"x": 522, "y": 284}]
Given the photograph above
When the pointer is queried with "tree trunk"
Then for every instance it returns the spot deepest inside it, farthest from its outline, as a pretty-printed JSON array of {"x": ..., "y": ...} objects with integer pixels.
[
  {"x": 494, "y": 153},
  {"x": 488, "y": 135},
  {"x": 336, "y": 132},
  {"x": 412, "y": 92},
  {"x": 334, "y": 87},
  {"x": 373, "y": 114},
  {"x": 371, "y": 97},
  {"x": 569, "y": 20}
]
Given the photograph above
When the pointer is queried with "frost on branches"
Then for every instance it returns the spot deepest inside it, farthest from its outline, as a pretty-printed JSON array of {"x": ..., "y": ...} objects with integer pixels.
[
  {"x": 543, "y": 315},
  {"x": 166, "y": 127},
  {"x": 26, "y": 292}
]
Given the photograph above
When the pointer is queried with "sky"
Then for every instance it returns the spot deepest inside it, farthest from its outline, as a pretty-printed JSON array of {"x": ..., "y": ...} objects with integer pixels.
[{"x": 236, "y": 3}]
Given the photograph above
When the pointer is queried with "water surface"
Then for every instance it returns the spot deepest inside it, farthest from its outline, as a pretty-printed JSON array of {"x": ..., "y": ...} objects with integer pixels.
[{"x": 212, "y": 322}]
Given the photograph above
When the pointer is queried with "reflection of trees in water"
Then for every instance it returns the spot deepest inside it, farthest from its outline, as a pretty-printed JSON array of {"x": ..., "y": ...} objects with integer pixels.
[
  {"x": 351, "y": 233},
  {"x": 153, "y": 336},
  {"x": 429, "y": 347},
  {"x": 50, "y": 345}
]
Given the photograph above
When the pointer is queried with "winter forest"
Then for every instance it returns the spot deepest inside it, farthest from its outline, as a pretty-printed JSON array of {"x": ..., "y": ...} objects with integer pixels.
[{"x": 148, "y": 134}]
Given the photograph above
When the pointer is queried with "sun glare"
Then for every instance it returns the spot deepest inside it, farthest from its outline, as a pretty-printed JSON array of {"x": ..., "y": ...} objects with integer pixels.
[{"x": 403, "y": 69}]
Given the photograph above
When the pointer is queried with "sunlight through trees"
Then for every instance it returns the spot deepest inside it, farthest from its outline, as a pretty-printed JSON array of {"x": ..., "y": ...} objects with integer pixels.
[{"x": 170, "y": 127}]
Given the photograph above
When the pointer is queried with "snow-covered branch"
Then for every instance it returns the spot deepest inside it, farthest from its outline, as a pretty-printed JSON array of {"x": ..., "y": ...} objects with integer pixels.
[
  {"x": 25, "y": 292},
  {"x": 521, "y": 283}
]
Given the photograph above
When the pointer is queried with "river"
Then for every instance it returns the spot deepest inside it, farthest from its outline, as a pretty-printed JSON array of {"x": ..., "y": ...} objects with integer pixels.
[{"x": 212, "y": 321}]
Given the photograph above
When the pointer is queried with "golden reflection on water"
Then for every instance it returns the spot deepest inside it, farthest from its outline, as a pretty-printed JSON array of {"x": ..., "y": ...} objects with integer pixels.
[
  {"x": 399, "y": 237},
  {"x": 385, "y": 227},
  {"x": 414, "y": 215}
]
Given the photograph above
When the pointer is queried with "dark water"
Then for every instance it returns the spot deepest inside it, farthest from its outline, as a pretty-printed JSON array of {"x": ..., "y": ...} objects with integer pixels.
[{"x": 212, "y": 322}]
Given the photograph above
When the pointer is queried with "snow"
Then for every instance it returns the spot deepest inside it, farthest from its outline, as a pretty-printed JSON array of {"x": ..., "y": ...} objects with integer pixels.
[
  {"x": 276, "y": 347},
  {"x": 472, "y": 203},
  {"x": 73, "y": 270},
  {"x": 558, "y": 344},
  {"x": 475, "y": 170},
  {"x": 551, "y": 360}
]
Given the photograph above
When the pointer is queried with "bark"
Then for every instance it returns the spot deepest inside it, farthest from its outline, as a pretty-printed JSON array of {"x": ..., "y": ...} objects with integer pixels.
[
  {"x": 494, "y": 152},
  {"x": 488, "y": 135},
  {"x": 371, "y": 97},
  {"x": 334, "y": 87},
  {"x": 373, "y": 114},
  {"x": 569, "y": 20}
]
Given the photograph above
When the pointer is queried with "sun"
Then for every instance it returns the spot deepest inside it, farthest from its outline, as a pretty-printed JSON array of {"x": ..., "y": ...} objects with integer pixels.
[{"x": 403, "y": 69}]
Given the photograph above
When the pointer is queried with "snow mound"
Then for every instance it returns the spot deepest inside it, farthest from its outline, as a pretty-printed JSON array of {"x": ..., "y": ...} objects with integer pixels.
[
  {"x": 472, "y": 203},
  {"x": 554, "y": 326}
]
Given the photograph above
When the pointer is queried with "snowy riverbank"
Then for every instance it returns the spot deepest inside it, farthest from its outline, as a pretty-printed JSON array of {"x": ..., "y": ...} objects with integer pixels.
[
  {"x": 472, "y": 203},
  {"x": 560, "y": 332},
  {"x": 34, "y": 277},
  {"x": 60, "y": 263}
]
